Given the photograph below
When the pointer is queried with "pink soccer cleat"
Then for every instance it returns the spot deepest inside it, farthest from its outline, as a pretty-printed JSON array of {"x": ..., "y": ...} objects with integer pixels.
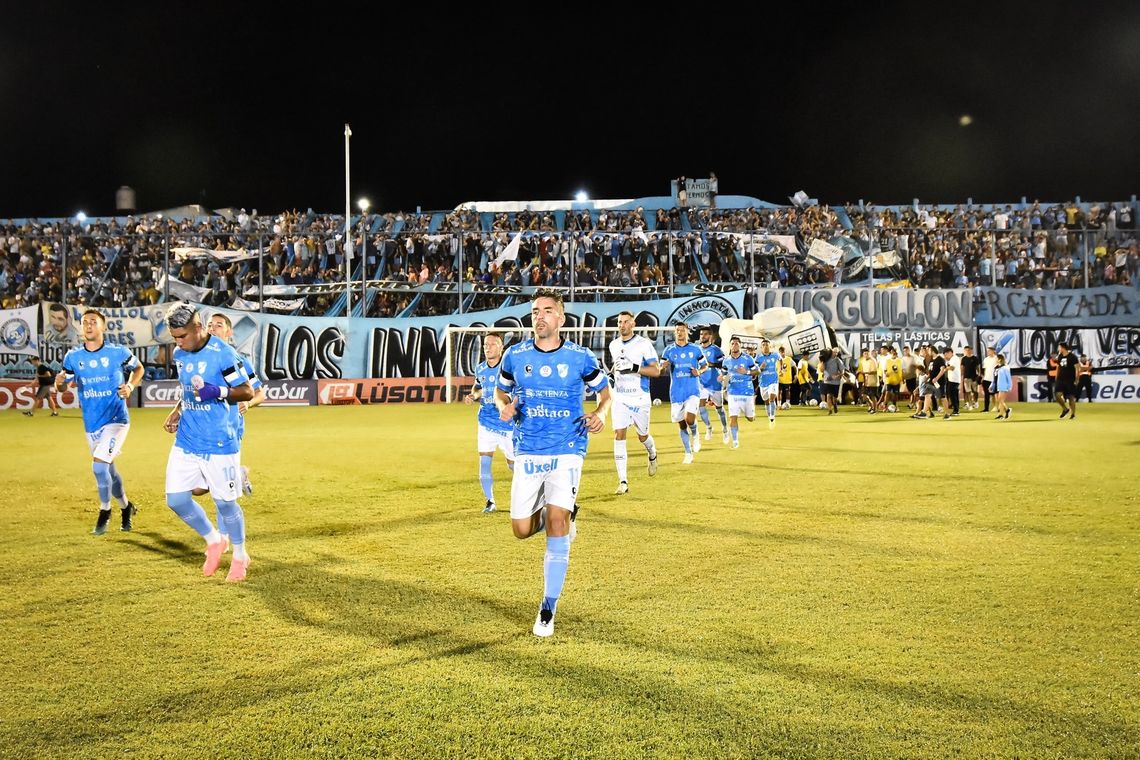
[
  {"x": 237, "y": 570},
  {"x": 214, "y": 554}
]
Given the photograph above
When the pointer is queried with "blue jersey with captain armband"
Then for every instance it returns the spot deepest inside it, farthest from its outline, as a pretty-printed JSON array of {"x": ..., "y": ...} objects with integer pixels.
[
  {"x": 769, "y": 365},
  {"x": 682, "y": 360},
  {"x": 208, "y": 427},
  {"x": 97, "y": 376},
  {"x": 738, "y": 384},
  {"x": 710, "y": 379},
  {"x": 487, "y": 378},
  {"x": 549, "y": 386}
]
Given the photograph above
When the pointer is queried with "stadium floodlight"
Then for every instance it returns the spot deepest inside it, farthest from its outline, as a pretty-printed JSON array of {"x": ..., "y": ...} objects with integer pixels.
[
  {"x": 364, "y": 204},
  {"x": 582, "y": 196},
  {"x": 81, "y": 217}
]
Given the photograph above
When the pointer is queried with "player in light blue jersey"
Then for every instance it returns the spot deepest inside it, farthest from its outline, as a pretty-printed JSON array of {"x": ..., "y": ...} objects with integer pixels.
[
  {"x": 769, "y": 382},
  {"x": 220, "y": 326},
  {"x": 97, "y": 369},
  {"x": 493, "y": 433},
  {"x": 207, "y": 449},
  {"x": 541, "y": 384},
  {"x": 711, "y": 395},
  {"x": 737, "y": 374},
  {"x": 685, "y": 363}
]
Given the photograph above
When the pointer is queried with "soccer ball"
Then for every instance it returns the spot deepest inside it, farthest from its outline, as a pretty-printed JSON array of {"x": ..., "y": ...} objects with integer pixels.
[
  {"x": 657, "y": 402},
  {"x": 813, "y": 402},
  {"x": 892, "y": 408},
  {"x": 787, "y": 405}
]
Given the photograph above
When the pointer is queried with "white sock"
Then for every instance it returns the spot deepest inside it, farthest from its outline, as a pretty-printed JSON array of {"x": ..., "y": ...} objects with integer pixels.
[
  {"x": 650, "y": 446},
  {"x": 213, "y": 536},
  {"x": 621, "y": 460},
  {"x": 240, "y": 552}
]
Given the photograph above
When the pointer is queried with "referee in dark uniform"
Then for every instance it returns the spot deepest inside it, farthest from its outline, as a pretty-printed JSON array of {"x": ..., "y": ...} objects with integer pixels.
[
  {"x": 44, "y": 382},
  {"x": 1066, "y": 388}
]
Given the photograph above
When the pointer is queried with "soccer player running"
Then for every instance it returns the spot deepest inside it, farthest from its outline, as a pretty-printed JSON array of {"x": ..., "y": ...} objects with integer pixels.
[
  {"x": 785, "y": 366},
  {"x": 1066, "y": 387},
  {"x": 97, "y": 369},
  {"x": 737, "y": 372},
  {"x": 768, "y": 364},
  {"x": 541, "y": 384},
  {"x": 709, "y": 393},
  {"x": 44, "y": 385},
  {"x": 685, "y": 364},
  {"x": 207, "y": 448},
  {"x": 634, "y": 360},
  {"x": 220, "y": 325},
  {"x": 493, "y": 432}
]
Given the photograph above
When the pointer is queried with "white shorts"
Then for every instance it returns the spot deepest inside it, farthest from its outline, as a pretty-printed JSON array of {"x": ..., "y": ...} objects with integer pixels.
[
  {"x": 742, "y": 406},
  {"x": 716, "y": 397},
  {"x": 543, "y": 480},
  {"x": 689, "y": 406},
  {"x": 770, "y": 390},
  {"x": 107, "y": 442},
  {"x": 624, "y": 416},
  {"x": 489, "y": 440},
  {"x": 221, "y": 473}
]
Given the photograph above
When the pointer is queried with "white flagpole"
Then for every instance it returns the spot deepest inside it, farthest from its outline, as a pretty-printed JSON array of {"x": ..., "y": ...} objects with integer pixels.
[{"x": 347, "y": 227}]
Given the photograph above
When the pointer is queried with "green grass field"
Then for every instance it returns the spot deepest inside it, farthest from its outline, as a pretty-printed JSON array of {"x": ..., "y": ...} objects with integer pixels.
[{"x": 844, "y": 586}]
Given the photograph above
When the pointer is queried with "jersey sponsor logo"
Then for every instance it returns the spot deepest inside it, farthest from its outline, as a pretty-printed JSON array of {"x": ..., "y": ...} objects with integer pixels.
[
  {"x": 527, "y": 370},
  {"x": 539, "y": 410},
  {"x": 81, "y": 365},
  {"x": 544, "y": 371}
]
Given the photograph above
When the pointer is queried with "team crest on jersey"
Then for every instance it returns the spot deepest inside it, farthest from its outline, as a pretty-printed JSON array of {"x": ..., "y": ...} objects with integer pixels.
[
  {"x": 105, "y": 361},
  {"x": 527, "y": 370},
  {"x": 81, "y": 364},
  {"x": 544, "y": 371},
  {"x": 201, "y": 366},
  {"x": 563, "y": 370}
]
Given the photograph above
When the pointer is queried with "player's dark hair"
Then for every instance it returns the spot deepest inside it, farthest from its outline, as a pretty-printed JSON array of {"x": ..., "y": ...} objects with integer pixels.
[
  {"x": 556, "y": 295},
  {"x": 99, "y": 314},
  {"x": 498, "y": 335},
  {"x": 58, "y": 307},
  {"x": 626, "y": 313}
]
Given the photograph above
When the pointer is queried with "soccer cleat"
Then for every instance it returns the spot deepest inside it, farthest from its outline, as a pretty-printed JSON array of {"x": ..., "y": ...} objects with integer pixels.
[
  {"x": 946, "y": 416},
  {"x": 688, "y": 459},
  {"x": 544, "y": 623},
  {"x": 101, "y": 522},
  {"x": 127, "y": 513},
  {"x": 622, "y": 488},
  {"x": 55, "y": 414},
  {"x": 736, "y": 444},
  {"x": 26, "y": 414},
  {"x": 1074, "y": 416},
  {"x": 237, "y": 570},
  {"x": 489, "y": 507},
  {"x": 708, "y": 434},
  {"x": 573, "y": 524},
  {"x": 1008, "y": 412},
  {"x": 696, "y": 443},
  {"x": 1064, "y": 414},
  {"x": 214, "y": 554},
  {"x": 246, "y": 486},
  {"x": 1000, "y": 417},
  {"x": 652, "y": 466},
  {"x": 919, "y": 416},
  {"x": 725, "y": 438}
]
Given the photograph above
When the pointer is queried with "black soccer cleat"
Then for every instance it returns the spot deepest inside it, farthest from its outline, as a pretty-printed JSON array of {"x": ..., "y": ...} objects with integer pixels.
[
  {"x": 1064, "y": 414},
  {"x": 101, "y": 522},
  {"x": 127, "y": 513}
]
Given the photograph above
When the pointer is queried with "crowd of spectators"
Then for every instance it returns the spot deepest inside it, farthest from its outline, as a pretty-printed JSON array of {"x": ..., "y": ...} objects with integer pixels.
[{"x": 122, "y": 262}]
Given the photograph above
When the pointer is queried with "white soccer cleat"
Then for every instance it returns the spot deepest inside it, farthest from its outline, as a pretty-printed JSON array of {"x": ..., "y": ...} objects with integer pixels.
[
  {"x": 736, "y": 444},
  {"x": 688, "y": 459},
  {"x": 622, "y": 488},
  {"x": 708, "y": 434},
  {"x": 725, "y": 438},
  {"x": 771, "y": 423},
  {"x": 696, "y": 443},
  {"x": 652, "y": 466},
  {"x": 544, "y": 624}
]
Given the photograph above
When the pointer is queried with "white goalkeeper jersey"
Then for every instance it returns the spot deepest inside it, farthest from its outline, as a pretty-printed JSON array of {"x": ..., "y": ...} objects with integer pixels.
[{"x": 630, "y": 387}]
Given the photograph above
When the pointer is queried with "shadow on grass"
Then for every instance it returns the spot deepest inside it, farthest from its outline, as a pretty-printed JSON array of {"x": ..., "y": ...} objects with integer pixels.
[{"x": 168, "y": 547}]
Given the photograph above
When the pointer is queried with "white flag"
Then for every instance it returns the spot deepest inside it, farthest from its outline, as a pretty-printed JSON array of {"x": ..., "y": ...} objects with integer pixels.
[{"x": 510, "y": 253}]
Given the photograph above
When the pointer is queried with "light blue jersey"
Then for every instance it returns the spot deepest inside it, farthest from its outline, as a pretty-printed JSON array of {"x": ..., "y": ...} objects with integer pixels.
[
  {"x": 1003, "y": 380},
  {"x": 769, "y": 365},
  {"x": 738, "y": 384},
  {"x": 710, "y": 380},
  {"x": 549, "y": 386},
  {"x": 682, "y": 360},
  {"x": 207, "y": 427},
  {"x": 98, "y": 375},
  {"x": 255, "y": 383},
  {"x": 487, "y": 379}
]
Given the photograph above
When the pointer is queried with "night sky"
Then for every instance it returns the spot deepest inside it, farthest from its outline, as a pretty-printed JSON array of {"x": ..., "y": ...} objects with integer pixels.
[{"x": 228, "y": 107}]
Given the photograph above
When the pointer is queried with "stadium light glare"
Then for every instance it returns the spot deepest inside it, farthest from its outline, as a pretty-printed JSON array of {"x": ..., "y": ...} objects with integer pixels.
[
  {"x": 582, "y": 196},
  {"x": 81, "y": 217},
  {"x": 364, "y": 204}
]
